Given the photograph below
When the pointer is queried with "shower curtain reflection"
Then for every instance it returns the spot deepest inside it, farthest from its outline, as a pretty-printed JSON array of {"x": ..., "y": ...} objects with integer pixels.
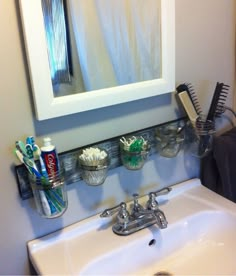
[{"x": 117, "y": 42}]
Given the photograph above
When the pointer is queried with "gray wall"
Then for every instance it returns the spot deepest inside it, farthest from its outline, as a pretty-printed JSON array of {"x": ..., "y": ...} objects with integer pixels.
[{"x": 205, "y": 53}]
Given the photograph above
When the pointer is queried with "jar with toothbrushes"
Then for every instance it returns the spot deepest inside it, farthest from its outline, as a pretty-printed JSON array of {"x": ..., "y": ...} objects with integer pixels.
[
  {"x": 53, "y": 183},
  {"x": 46, "y": 178}
]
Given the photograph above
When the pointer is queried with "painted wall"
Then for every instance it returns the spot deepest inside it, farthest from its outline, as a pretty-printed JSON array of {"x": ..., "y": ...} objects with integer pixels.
[{"x": 205, "y": 53}]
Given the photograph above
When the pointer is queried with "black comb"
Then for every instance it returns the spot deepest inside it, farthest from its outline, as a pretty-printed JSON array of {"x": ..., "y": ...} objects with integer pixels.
[
  {"x": 192, "y": 95},
  {"x": 217, "y": 106}
]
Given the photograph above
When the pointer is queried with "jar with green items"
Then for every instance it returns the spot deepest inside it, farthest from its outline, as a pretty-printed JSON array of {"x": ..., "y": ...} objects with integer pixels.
[{"x": 134, "y": 152}]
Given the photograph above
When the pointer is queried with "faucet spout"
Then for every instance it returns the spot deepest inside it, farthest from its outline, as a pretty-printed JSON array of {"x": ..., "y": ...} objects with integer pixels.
[
  {"x": 143, "y": 213},
  {"x": 157, "y": 215},
  {"x": 161, "y": 219}
]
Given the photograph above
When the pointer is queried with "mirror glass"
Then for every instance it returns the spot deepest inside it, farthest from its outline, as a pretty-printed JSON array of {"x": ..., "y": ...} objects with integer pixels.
[
  {"x": 98, "y": 44},
  {"x": 88, "y": 54}
]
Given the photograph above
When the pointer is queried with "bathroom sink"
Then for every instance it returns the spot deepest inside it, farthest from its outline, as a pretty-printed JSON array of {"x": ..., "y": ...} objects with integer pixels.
[
  {"x": 185, "y": 247},
  {"x": 200, "y": 239}
]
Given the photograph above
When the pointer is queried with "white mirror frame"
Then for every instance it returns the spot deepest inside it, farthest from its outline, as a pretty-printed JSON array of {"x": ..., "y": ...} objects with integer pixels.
[{"x": 47, "y": 106}]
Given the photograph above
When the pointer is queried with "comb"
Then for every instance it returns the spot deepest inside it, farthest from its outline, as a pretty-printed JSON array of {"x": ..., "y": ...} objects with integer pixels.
[{"x": 217, "y": 106}]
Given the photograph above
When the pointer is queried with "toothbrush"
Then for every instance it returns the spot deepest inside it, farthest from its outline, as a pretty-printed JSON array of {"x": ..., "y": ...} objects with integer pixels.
[
  {"x": 29, "y": 151},
  {"x": 54, "y": 197},
  {"x": 37, "y": 152},
  {"x": 30, "y": 140},
  {"x": 20, "y": 146},
  {"x": 25, "y": 150},
  {"x": 48, "y": 206},
  {"x": 30, "y": 163},
  {"x": 21, "y": 158},
  {"x": 52, "y": 206},
  {"x": 31, "y": 168},
  {"x": 33, "y": 150}
]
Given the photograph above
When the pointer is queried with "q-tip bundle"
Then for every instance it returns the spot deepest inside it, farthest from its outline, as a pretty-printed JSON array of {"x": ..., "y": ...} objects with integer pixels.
[{"x": 92, "y": 156}]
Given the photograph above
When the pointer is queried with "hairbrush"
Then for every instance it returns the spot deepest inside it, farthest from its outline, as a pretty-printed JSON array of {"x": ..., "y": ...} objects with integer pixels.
[
  {"x": 189, "y": 100},
  {"x": 217, "y": 106}
]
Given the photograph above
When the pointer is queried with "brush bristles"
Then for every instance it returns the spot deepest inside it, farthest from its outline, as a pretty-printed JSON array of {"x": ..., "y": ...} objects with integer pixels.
[
  {"x": 218, "y": 101},
  {"x": 194, "y": 98},
  {"x": 220, "y": 109},
  {"x": 217, "y": 106}
]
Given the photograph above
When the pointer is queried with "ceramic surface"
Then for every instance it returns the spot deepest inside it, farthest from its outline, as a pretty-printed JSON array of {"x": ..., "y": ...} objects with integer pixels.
[{"x": 200, "y": 239}]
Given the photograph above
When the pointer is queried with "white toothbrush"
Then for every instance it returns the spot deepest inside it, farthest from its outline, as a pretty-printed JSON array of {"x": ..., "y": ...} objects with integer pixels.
[
  {"x": 21, "y": 158},
  {"x": 20, "y": 146}
]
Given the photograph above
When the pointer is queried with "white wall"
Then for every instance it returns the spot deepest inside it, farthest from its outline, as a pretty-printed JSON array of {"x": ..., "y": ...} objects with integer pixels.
[{"x": 205, "y": 53}]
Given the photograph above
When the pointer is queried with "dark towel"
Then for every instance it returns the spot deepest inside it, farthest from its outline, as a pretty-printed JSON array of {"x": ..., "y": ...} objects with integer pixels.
[{"x": 218, "y": 170}]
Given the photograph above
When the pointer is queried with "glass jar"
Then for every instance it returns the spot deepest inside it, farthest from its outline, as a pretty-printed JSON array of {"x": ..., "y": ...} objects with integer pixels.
[
  {"x": 50, "y": 195},
  {"x": 169, "y": 139},
  {"x": 94, "y": 171},
  {"x": 201, "y": 140},
  {"x": 94, "y": 175},
  {"x": 133, "y": 160}
]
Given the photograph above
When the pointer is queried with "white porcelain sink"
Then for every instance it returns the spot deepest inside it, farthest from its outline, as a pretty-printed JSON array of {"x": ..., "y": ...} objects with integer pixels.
[{"x": 200, "y": 240}]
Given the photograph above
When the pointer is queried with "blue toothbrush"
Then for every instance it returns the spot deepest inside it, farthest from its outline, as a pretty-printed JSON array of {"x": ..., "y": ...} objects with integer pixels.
[{"x": 37, "y": 153}]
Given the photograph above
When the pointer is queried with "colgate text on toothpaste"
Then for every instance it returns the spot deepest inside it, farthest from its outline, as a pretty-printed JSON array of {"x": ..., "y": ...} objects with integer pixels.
[{"x": 51, "y": 162}]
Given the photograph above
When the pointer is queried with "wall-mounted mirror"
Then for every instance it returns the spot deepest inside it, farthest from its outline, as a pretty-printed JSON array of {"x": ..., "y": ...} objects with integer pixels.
[{"x": 118, "y": 51}]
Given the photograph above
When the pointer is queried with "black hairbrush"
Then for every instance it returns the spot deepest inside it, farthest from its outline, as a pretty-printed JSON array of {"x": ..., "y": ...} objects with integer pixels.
[{"x": 217, "y": 106}]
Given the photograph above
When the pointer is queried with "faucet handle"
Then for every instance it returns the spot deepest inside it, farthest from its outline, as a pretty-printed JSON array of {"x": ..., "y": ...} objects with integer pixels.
[
  {"x": 122, "y": 216},
  {"x": 111, "y": 211},
  {"x": 163, "y": 191},
  {"x": 152, "y": 203}
]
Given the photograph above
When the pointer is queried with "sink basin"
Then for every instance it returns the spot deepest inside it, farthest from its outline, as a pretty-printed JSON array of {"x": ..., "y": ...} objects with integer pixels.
[
  {"x": 200, "y": 239},
  {"x": 184, "y": 247}
]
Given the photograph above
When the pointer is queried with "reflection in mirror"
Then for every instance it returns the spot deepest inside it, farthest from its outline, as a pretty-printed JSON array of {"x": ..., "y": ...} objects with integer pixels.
[
  {"x": 95, "y": 44},
  {"x": 151, "y": 44},
  {"x": 56, "y": 37}
]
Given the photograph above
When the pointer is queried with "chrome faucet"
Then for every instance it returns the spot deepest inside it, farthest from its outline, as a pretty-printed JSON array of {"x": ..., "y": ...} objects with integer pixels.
[{"x": 140, "y": 217}]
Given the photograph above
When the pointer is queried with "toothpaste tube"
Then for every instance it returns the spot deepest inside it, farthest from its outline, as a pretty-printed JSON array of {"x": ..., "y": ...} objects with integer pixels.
[{"x": 50, "y": 157}]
